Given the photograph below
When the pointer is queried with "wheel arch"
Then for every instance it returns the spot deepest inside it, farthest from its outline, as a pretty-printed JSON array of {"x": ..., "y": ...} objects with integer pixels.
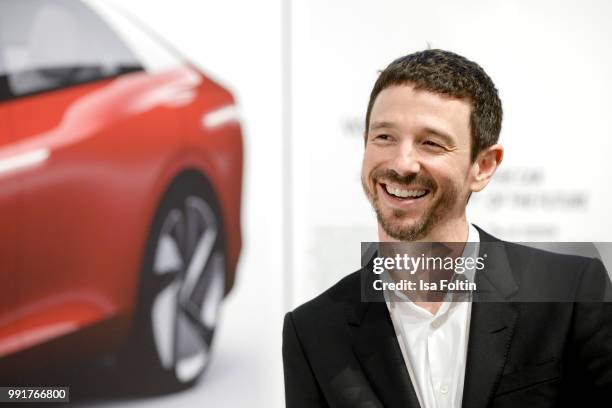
[
  {"x": 184, "y": 177},
  {"x": 184, "y": 183}
]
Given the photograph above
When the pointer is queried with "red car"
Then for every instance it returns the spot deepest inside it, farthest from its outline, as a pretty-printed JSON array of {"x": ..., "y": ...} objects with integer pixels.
[{"x": 120, "y": 191}]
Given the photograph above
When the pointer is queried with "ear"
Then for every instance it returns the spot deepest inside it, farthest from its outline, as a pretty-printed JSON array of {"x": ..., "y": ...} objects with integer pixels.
[{"x": 485, "y": 165}]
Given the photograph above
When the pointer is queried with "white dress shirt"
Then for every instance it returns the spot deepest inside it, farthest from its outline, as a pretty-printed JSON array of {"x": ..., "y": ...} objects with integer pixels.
[{"x": 434, "y": 347}]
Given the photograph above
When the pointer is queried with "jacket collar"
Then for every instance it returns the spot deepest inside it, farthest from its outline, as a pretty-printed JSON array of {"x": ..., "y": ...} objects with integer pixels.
[
  {"x": 381, "y": 359},
  {"x": 492, "y": 324}
]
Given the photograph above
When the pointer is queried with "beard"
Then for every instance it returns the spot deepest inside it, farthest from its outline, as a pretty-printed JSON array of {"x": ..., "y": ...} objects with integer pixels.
[{"x": 392, "y": 224}]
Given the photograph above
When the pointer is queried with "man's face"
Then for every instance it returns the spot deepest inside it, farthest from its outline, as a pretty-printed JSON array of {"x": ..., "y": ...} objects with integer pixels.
[{"x": 416, "y": 167}]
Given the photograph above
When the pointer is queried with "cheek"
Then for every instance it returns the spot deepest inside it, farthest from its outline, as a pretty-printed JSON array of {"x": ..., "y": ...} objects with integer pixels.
[
  {"x": 368, "y": 164},
  {"x": 375, "y": 157},
  {"x": 450, "y": 177}
]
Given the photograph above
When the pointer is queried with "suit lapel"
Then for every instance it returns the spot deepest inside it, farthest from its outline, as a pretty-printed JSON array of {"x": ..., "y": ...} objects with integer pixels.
[
  {"x": 492, "y": 324},
  {"x": 378, "y": 352}
]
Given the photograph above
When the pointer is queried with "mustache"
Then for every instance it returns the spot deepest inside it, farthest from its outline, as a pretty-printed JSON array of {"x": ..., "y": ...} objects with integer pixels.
[{"x": 413, "y": 178}]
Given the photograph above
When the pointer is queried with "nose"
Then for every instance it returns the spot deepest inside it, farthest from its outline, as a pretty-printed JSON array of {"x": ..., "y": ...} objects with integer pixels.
[{"x": 406, "y": 160}]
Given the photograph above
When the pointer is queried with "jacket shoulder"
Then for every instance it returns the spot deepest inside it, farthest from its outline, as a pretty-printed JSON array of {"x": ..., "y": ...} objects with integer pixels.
[
  {"x": 343, "y": 293},
  {"x": 554, "y": 271},
  {"x": 553, "y": 252},
  {"x": 328, "y": 311}
]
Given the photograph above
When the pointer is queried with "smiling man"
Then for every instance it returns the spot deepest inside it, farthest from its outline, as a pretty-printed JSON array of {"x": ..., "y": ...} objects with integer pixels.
[
  {"x": 535, "y": 333},
  {"x": 418, "y": 169}
]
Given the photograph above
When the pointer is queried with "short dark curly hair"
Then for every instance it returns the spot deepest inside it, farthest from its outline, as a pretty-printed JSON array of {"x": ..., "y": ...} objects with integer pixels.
[{"x": 447, "y": 73}]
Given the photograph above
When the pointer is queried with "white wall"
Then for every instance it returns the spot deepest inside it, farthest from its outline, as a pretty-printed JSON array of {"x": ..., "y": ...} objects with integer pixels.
[{"x": 550, "y": 60}]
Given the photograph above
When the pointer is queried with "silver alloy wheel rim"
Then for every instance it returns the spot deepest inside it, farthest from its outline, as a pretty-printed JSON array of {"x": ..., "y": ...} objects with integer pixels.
[{"x": 191, "y": 264}]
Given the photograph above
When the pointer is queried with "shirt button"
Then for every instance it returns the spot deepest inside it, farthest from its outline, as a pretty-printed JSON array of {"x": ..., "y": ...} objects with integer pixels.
[
  {"x": 435, "y": 324},
  {"x": 444, "y": 389}
]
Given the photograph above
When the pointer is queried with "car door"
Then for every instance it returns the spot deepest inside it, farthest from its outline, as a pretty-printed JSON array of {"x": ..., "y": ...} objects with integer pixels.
[{"x": 63, "y": 66}]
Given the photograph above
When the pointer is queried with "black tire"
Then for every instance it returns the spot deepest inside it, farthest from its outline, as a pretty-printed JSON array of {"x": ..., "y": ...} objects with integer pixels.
[{"x": 182, "y": 285}]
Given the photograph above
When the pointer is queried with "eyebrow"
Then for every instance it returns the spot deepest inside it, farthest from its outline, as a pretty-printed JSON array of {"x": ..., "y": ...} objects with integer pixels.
[{"x": 378, "y": 125}]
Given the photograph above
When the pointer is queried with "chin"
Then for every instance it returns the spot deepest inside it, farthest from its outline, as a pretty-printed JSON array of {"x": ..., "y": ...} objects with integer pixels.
[{"x": 403, "y": 230}]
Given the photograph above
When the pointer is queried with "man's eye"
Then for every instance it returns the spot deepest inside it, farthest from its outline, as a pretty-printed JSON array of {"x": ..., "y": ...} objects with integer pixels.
[
  {"x": 382, "y": 137},
  {"x": 431, "y": 143}
]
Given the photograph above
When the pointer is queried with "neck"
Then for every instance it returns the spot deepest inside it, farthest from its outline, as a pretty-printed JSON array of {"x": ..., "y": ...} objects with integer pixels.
[{"x": 455, "y": 230}]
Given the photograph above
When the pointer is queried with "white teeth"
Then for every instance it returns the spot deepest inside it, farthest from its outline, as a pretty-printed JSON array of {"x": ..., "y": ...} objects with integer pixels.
[{"x": 404, "y": 193}]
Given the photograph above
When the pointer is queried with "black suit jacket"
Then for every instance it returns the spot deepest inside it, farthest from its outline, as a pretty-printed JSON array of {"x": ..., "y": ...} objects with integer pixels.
[{"x": 341, "y": 352}]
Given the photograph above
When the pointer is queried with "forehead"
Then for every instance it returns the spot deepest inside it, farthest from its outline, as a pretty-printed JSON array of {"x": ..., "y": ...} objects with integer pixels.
[{"x": 410, "y": 110}]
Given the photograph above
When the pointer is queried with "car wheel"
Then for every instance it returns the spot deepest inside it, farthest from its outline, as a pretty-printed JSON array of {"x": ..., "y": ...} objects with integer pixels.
[{"x": 182, "y": 286}]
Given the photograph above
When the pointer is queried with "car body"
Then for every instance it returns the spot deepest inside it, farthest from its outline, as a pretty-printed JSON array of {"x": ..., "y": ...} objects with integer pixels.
[{"x": 94, "y": 134}]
